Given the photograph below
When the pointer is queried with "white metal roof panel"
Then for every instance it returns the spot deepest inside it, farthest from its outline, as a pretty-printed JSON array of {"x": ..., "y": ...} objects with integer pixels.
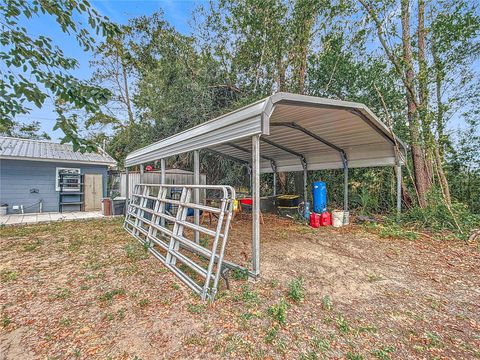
[
  {"x": 41, "y": 150},
  {"x": 349, "y": 127}
]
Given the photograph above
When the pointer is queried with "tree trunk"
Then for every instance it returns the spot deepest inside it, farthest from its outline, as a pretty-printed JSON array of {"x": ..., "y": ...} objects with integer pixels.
[{"x": 422, "y": 181}]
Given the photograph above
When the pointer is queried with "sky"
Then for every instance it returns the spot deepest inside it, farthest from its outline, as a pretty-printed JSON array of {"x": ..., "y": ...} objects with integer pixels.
[{"x": 177, "y": 13}]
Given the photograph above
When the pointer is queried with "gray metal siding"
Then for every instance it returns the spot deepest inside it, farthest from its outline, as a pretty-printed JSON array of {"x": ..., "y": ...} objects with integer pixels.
[{"x": 18, "y": 177}]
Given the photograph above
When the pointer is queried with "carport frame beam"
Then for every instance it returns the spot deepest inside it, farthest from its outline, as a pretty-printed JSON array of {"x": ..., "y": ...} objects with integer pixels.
[
  {"x": 302, "y": 159},
  {"x": 256, "y": 206}
]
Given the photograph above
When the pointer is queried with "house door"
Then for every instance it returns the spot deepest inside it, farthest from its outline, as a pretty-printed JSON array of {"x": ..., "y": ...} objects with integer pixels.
[{"x": 93, "y": 192}]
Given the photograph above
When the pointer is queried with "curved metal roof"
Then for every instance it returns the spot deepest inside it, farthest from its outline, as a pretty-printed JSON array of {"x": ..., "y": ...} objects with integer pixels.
[
  {"x": 292, "y": 127},
  {"x": 42, "y": 150}
]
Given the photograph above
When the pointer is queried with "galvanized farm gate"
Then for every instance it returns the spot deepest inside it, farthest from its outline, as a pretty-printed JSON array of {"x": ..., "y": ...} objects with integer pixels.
[{"x": 150, "y": 220}]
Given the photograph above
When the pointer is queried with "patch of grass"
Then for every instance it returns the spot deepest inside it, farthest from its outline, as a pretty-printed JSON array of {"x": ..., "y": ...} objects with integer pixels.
[
  {"x": 62, "y": 294},
  {"x": 296, "y": 289},
  {"x": 271, "y": 334},
  {"x": 143, "y": 303},
  {"x": 321, "y": 344},
  {"x": 195, "y": 340},
  {"x": 342, "y": 325},
  {"x": 434, "y": 340},
  {"x": 6, "y": 320},
  {"x": 175, "y": 286},
  {"x": 32, "y": 246},
  {"x": 383, "y": 353},
  {"x": 75, "y": 245},
  {"x": 327, "y": 303},
  {"x": 374, "y": 277},
  {"x": 204, "y": 242},
  {"x": 135, "y": 251},
  {"x": 392, "y": 230},
  {"x": 246, "y": 316},
  {"x": 311, "y": 355},
  {"x": 8, "y": 275},
  {"x": 196, "y": 308},
  {"x": 274, "y": 283},
  {"x": 65, "y": 322},
  {"x": 279, "y": 312},
  {"x": 109, "y": 295},
  {"x": 354, "y": 356},
  {"x": 238, "y": 274},
  {"x": 249, "y": 296},
  {"x": 368, "y": 329}
]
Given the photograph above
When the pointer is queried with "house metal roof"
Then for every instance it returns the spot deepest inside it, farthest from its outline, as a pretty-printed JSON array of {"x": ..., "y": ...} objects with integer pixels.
[
  {"x": 316, "y": 129},
  {"x": 42, "y": 150}
]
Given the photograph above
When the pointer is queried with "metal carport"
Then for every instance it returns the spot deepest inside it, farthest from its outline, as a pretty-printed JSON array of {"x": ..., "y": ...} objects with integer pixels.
[{"x": 287, "y": 132}]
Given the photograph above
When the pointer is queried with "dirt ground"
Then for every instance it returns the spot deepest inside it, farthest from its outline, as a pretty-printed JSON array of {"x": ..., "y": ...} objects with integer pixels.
[{"x": 89, "y": 290}]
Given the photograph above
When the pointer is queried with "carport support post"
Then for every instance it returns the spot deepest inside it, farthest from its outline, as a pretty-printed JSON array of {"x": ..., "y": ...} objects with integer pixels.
[
  {"x": 196, "y": 192},
  {"x": 256, "y": 205},
  {"x": 399, "y": 191},
  {"x": 142, "y": 171},
  {"x": 305, "y": 174},
  {"x": 127, "y": 195},
  {"x": 162, "y": 171},
  {"x": 345, "y": 187},
  {"x": 162, "y": 181}
]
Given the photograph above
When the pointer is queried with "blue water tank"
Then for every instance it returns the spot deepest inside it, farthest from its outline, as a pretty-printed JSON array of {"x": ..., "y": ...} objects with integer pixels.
[{"x": 319, "y": 189}]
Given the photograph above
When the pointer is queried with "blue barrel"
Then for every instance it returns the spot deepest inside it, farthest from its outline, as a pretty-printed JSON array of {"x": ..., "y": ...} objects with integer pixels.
[{"x": 319, "y": 189}]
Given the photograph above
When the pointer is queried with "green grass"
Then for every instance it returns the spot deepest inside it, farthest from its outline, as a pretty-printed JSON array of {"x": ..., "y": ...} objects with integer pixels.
[
  {"x": 196, "y": 308},
  {"x": 279, "y": 312},
  {"x": 109, "y": 295},
  {"x": 327, "y": 303},
  {"x": 6, "y": 320},
  {"x": 342, "y": 325},
  {"x": 296, "y": 289},
  {"x": 383, "y": 353},
  {"x": 8, "y": 275}
]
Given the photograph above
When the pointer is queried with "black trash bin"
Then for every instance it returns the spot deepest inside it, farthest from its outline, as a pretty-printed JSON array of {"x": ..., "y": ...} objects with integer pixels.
[{"x": 119, "y": 206}]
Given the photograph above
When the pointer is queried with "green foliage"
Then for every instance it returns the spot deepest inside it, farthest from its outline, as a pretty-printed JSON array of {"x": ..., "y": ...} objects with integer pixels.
[
  {"x": 327, "y": 303},
  {"x": 296, "y": 289},
  {"x": 438, "y": 217},
  {"x": 35, "y": 69},
  {"x": 342, "y": 324},
  {"x": 109, "y": 295},
  {"x": 279, "y": 312}
]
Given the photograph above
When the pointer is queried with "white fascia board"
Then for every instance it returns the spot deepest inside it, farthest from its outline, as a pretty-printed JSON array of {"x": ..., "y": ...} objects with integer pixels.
[{"x": 233, "y": 126}]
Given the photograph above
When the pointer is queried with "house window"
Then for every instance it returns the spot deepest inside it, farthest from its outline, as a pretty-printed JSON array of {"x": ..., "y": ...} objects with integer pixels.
[{"x": 71, "y": 180}]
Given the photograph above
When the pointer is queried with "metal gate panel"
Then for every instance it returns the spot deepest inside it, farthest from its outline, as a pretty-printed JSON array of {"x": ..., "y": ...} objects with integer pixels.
[{"x": 166, "y": 235}]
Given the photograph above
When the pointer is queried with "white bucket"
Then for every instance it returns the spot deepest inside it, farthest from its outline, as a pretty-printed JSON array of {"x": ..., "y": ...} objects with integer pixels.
[
  {"x": 3, "y": 210},
  {"x": 337, "y": 218}
]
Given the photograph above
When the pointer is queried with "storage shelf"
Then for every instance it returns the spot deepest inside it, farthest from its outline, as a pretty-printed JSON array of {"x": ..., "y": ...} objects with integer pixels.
[{"x": 76, "y": 185}]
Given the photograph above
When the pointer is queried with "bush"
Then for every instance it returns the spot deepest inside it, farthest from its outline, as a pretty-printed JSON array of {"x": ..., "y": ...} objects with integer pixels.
[{"x": 437, "y": 217}]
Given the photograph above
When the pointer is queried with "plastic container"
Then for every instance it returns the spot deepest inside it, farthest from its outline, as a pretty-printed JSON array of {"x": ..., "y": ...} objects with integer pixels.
[
  {"x": 119, "y": 206},
  {"x": 314, "y": 220},
  {"x": 306, "y": 210},
  {"x": 106, "y": 206},
  {"x": 319, "y": 190},
  {"x": 337, "y": 218},
  {"x": 325, "y": 219}
]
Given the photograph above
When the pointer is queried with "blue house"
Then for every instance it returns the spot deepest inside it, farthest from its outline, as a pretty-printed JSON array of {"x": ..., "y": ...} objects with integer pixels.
[{"x": 44, "y": 176}]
